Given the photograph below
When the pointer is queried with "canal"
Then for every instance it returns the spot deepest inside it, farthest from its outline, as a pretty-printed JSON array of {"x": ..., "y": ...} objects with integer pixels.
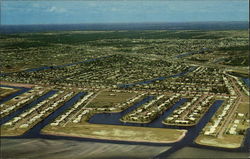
[
  {"x": 54, "y": 67},
  {"x": 26, "y": 107},
  {"x": 114, "y": 118},
  {"x": 246, "y": 82},
  {"x": 194, "y": 131},
  {"x": 190, "y": 69},
  {"x": 9, "y": 97},
  {"x": 35, "y": 130}
]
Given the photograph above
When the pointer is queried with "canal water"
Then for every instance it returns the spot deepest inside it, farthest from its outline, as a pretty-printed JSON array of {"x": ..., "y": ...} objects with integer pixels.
[
  {"x": 185, "y": 54},
  {"x": 187, "y": 141},
  {"x": 192, "y": 53},
  {"x": 194, "y": 131},
  {"x": 114, "y": 118},
  {"x": 35, "y": 130},
  {"x": 157, "y": 79},
  {"x": 27, "y": 106},
  {"x": 246, "y": 82},
  {"x": 9, "y": 97},
  {"x": 55, "y": 67}
]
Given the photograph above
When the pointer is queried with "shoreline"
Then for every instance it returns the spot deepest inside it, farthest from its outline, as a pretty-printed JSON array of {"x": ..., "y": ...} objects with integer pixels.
[
  {"x": 180, "y": 125},
  {"x": 219, "y": 144},
  {"x": 62, "y": 135},
  {"x": 100, "y": 138},
  {"x": 135, "y": 122}
]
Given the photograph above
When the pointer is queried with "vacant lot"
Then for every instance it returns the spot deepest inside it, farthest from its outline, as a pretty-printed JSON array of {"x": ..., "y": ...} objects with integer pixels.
[
  {"x": 113, "y": 132},
  {"x": 227, "y": 141},
  {"x": 110, "y": 99}
]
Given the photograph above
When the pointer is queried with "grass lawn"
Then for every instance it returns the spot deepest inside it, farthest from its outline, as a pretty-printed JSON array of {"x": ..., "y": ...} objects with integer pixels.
[
  {"x": 109, "y": 99},
  {"x": 243, "y": 106},
  {"x": 7, "y": 131}
]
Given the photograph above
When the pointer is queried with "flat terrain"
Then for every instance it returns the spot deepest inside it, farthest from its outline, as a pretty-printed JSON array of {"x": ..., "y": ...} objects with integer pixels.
[
  {"x": 111, "y": 132},
  {"x": 191, "y": 152},
  {"x": 227, "y": 141},
  {"x": 54, "y": 149},
  {"x": 110, "y": 99},
  {"x": 133, "y": 86},
  {"x": 64, "y": 149}
]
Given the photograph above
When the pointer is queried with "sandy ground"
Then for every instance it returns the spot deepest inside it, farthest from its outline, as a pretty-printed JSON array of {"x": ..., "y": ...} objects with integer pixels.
[
  {"x": 225, "y": 142},
  {"x": 118, "y": 133},
  {"x": 103, "y": 138}
]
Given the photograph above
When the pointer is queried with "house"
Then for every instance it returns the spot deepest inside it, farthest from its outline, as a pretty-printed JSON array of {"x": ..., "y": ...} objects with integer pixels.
[
  {"x": 241, "y": 115},
  {"x": 237, "y": 121},
  {"x": 232, "y": 131},
  {"x": 170, "y": 118},
  {"x": 212, "y": 130},
  {"x": 182, "y": 121},
  {"x": 207, "y": 133},
  {"x": 192, "y": 118},
  {"x": 8, "y": 123},
  {"x": 24, "y": 126}
]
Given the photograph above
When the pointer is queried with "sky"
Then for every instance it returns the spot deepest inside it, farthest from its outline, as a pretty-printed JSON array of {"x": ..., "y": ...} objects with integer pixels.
[{"x": 121, "y": 11}]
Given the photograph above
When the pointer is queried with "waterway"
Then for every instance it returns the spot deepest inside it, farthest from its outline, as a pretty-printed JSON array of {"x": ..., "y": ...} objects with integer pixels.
[
  {"x": 114, "y": 118},
  {"x": 55, "y": 67},
  {"x": 9, "y": 97},
  {"x": 194, "y": 131},
  {"x": 246, "y": 82},
  {"x": 192, "y": 53},
  {"x": 27, "y": 106},
  {"x": 35, "y": 130},
  {"x": 157, "y": 79}
]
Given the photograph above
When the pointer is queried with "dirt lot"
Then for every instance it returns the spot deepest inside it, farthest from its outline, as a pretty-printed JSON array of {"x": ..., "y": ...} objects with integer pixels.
[{"x": 114, "y": 132}]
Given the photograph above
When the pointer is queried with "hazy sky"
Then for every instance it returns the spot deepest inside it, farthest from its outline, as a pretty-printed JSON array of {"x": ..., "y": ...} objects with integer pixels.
[{"x": 119, "y": 11}]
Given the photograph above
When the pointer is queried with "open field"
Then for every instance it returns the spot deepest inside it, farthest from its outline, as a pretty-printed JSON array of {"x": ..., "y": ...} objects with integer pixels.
[
  {"x": 110, "y": 99},
  {"x": 227, "y": 141},
  {"x": 112, "y": 132}
]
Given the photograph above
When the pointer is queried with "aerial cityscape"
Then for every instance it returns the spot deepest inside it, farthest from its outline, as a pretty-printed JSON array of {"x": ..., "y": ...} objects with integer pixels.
[{"x": 113, "y": 93}]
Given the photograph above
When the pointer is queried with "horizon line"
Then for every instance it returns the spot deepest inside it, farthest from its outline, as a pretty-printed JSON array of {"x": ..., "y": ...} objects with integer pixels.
[{"x": 101, "y": 23}]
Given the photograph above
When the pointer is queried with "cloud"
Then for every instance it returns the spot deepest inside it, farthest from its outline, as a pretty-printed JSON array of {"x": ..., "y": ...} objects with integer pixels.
[{"x": 54, "y": 9}]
